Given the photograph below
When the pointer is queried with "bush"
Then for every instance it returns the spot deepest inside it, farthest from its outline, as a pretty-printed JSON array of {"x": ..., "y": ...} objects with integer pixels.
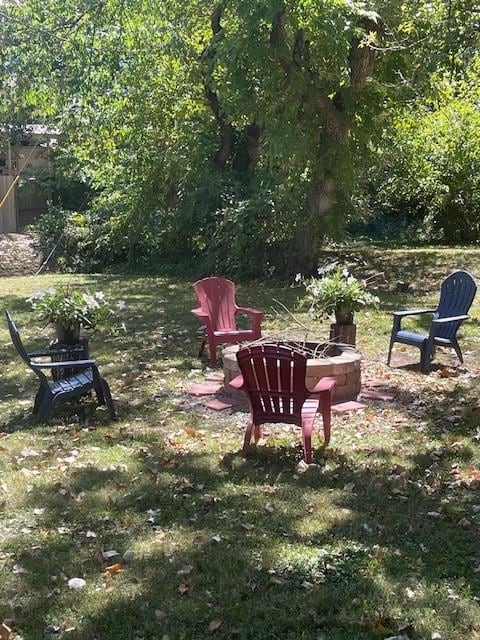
[{"x": 428, "y": 174}]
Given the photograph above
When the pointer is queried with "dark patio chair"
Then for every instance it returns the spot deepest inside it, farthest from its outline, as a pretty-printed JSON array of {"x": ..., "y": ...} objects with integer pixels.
[
  {"x": 273, "y": 378},
  {"x": 456, "y": 297},
  {"x": 50, "y": 393}
]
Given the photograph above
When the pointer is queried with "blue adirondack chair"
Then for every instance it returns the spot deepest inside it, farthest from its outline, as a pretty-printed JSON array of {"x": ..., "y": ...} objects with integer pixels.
[
  {"x": 456, "y": 297},
  {"x": 86, "y": 378}
]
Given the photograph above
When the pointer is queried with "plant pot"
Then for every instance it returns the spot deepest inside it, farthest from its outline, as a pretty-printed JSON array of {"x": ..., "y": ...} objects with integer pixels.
[
  {"x": 344, "y": 317},
  {"x": 67, "y": 335}
]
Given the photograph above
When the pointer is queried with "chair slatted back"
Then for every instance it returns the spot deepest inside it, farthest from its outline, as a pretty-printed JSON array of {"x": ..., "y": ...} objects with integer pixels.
[
  {"x": 18, "y": 344},
  {"x": 274, "y": 379},
  {"x": 456, "y": 297},
  {"x": 216, "y": 297}
]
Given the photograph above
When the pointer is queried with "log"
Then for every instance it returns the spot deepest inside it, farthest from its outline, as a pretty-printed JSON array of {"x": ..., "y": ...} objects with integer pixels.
[{"x": 345, "y": 333}]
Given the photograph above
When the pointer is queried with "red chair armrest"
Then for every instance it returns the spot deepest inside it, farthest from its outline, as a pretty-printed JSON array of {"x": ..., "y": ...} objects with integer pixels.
[
  {"x": 237, "y": 382},
  {"x": 325, "y": 384},
  {"x": 199, "y": 313},
  {"x": 250, "y": 311}
]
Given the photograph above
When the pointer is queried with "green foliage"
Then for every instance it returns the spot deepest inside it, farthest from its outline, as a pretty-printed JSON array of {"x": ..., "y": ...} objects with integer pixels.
[
  {"x": 220, "y": 133},
  {"x": 71, "y": 307},
  {"x": 337, "y": 292},
  {"x": 429, "y": 170}
]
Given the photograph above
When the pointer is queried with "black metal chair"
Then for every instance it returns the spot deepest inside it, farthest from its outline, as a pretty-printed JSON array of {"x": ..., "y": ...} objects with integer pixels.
[
  {"x": 456, "y": 297},
  {"x": 49, "y": 394}
]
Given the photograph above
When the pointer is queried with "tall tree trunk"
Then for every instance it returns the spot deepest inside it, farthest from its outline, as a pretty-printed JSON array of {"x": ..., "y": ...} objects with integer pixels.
[{"x": 332, "y": 147}]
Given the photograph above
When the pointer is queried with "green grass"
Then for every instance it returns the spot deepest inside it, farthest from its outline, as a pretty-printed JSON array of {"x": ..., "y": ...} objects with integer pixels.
[{"x": 346, "y": 550}]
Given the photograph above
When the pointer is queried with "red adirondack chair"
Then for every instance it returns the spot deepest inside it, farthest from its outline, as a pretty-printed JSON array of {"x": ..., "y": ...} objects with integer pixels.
[
  {"x": 273, "y": 377},
  {"x": 218, "y": 310}
]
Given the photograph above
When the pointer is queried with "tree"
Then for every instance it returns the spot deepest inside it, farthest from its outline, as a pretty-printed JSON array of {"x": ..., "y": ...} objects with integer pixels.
[{"x": 244, "y": 122}]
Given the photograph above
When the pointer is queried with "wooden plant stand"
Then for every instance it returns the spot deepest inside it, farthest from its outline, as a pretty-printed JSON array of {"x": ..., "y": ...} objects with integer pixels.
[
  {"x": 66, "y": 353},
  {"x": 344, "y": 333}
]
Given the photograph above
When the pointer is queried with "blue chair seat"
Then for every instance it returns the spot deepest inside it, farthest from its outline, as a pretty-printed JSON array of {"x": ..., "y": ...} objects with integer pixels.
[
  {"x": 410, "y": 337},
  {"x": 82, "y": 381}
]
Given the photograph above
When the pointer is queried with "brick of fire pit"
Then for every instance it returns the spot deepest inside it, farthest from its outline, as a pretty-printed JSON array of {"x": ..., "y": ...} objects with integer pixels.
[{"x": 344, "y": 367}]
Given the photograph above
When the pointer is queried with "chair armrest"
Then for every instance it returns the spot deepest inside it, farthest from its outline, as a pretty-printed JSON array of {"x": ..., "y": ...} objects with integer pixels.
[
  {"x": 324, "y": 384},
  {"x": 81, "y": 364},
  {"x": 412, "y": 312},
  {"x": 451, "y": 319},
  {"x": 43, "y": 353},
  {"x": 250, "y": 311},
  {"x": 200, "y": 314},
  {"x": 237, "y": 382}
]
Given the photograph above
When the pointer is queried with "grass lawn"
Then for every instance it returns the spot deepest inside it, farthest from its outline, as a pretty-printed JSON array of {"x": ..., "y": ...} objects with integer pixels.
[{"x": 379, "y": 538}]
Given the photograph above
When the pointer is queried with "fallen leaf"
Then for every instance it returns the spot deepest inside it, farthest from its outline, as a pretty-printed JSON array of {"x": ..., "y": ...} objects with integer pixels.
[
  {"x": 183, "y": 588},
  {"x": 160, "y": 615},
  {"x": 5, "y": 632},
  {"x": 76, "y": 583},
  {"x": 216, "y": 538},
  {"x": 269, "y": 507},
  {"x": 377, "y": 627},
  {"x": 113, "y": 569},
  {"x": 445, "y": 373},
  {"x": 436, "y": 635},
  {"x": 466, "y": 524},
  {"x": 184, "y": 571},
  {"x": 18, "y": 569},
  {"x": 215, "y": 624}
]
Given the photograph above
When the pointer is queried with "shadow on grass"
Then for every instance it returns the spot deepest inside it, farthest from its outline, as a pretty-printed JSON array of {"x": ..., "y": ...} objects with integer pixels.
[{"x": 320, "y": 558}]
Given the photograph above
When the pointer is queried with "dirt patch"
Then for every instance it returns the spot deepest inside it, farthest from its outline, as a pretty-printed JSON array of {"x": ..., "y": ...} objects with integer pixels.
[{"x": 19, "y": 255}]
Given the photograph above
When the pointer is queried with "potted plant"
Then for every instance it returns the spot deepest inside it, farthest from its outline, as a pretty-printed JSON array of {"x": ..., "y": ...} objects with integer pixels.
[
  {"x": 338, "y": 293},
  {"x": 70, "y": 309}
]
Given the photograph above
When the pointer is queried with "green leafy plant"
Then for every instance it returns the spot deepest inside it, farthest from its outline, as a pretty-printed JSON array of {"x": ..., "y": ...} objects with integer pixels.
[
  {"x": 72, "y": 308},
  {"x": 337, "y": 293}
]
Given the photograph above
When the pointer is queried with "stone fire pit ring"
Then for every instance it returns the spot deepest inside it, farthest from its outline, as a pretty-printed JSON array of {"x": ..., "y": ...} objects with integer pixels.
[{"x": 340, "y": 362}]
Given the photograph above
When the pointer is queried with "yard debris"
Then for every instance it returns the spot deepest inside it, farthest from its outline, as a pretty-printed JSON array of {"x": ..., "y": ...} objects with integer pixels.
[
  {"x": 19, "y": 254},
  {"x": 5, "y": 632},
  {"x": 113, "y": 569},
  {"x": 128, "y": 556},
  {"x": 76, "y": 583},
  {"x": 215, "y": 624}
]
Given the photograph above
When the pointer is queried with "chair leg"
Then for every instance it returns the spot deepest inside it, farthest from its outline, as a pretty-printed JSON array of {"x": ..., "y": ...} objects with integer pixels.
[
  {"x": 38, "y": 401},
  {"x": 100, "y": 395},
  {"x": 213, "y": 352},
  {"x": 257, "y": 432},
  {"x": 246, "y": 441},
  {"x": 390, "y": 350},
  {"x": 46, "y": 408},
  {"x": 458, "y": 351},
  {"x": 202, "y": 347},
  {"x": 307, "y": 441},
  {"x": 326, "y": 408},
  {"x": 425, "y": 353},
  {"x": 108, "y": 399}
]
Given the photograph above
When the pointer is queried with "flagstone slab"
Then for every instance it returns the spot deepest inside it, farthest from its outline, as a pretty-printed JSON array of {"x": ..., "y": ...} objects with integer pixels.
[
  {"x": 204, "y": 389},
  {"x": 377, "y": 395},
  {"x": 352, "y": 405}
]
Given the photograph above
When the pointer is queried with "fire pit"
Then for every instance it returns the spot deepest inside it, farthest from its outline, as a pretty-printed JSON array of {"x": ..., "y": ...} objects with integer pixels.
[{"x": 333, "y": 360}]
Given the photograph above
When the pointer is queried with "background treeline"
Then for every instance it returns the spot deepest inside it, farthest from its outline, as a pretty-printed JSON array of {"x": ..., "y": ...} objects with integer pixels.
[{"x": 237, "y": 137}]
